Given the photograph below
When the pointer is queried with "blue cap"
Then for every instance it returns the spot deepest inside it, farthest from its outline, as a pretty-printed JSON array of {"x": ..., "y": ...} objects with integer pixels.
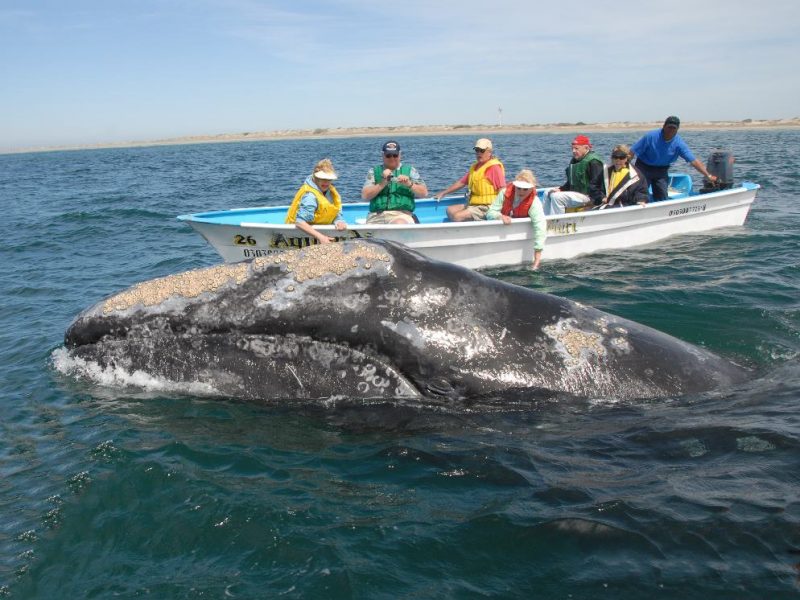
[{"x": 391, "y": 147}]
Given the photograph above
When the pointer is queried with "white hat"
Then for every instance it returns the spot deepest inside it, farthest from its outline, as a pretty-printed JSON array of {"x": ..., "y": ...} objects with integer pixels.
[
  {"x": 326, "y": 175},
  {"x": 483, "y": 144},
  {"x": 523, "y": 185}
]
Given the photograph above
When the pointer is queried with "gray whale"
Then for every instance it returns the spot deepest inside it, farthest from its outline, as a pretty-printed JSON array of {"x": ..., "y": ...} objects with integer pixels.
[{"x": 375, "y": 320}]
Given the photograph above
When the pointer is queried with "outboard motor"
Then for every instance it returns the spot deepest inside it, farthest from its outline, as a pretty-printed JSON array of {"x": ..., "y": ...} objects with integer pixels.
[{"x": 720, "y": 163}]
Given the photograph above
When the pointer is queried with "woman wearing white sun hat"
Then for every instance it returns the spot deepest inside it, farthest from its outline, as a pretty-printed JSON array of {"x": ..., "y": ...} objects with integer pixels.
[
  {"x": 519, "y": 200},
  {"x": 317, "y": 203}
]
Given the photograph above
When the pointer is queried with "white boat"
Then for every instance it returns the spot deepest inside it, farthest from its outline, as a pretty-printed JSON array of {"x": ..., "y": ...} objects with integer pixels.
[{"x": 246, "y": 233}]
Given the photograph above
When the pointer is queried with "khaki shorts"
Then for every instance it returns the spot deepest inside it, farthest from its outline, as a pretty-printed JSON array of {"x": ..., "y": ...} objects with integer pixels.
[
  {"x": 387, "y": 216},
  {"x": 478, "y": 211}
]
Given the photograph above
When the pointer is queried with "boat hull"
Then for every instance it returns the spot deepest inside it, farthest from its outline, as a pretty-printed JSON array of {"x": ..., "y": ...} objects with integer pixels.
[{"x": 481, "y": 244}]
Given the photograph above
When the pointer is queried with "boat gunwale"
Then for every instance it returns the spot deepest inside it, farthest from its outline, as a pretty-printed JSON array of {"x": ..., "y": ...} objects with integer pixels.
[{"x": 745, "y": 186}]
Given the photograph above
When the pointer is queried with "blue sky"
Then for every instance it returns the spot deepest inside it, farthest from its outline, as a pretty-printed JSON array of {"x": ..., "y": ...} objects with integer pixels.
[{"x": 92, "y": 71}]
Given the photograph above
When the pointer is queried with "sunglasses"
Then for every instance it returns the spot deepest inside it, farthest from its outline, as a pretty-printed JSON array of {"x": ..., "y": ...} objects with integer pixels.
[
  {"x": 480, "y": 150},
  {"x": 619, "y": 156},
  {"x": 391, "y": 155}
]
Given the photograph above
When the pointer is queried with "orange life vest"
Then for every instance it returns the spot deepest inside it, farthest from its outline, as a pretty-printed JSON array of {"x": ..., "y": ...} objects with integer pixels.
[{"x": 521, "y": 210}]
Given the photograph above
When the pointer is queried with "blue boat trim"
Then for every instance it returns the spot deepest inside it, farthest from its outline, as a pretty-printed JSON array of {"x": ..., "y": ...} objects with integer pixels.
[{"x": 428, "y": 210}]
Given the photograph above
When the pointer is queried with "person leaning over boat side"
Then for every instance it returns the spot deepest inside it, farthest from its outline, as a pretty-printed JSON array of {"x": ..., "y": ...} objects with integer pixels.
[
  {"x": 656, "y": 150},
  {"x": 392, "y": 189},
  {"x": 519, "y": 200},
  {"x": 317, "y": 203},
  {"x": 623, "y": 184},
  {"x": 485, "y": 178}
]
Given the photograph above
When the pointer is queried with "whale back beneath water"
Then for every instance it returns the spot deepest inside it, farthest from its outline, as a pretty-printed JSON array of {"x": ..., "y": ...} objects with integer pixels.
[{"x": 375, "y": 320}]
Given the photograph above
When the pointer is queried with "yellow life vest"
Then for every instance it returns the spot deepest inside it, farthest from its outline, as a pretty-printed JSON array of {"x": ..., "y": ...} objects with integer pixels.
[
  {"x": 615, "y": 179},
  {"x": 481, "y": 190},
  {"x": 326, "y": 210}
]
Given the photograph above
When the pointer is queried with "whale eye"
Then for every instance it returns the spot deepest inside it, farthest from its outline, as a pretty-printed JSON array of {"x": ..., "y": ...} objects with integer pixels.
[{"x": 439, "y": 387}]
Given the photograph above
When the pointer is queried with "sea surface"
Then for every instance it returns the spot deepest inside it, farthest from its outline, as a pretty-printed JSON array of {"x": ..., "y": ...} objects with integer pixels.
[{"x": 130, "y": 491}]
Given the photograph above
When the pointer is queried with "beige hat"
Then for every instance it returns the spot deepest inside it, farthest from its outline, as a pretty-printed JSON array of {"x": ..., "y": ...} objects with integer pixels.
[
  {"x": 483, "y": 144},
  {"x": 523, "y": 185},
  {"x": 326, "y": 175}
]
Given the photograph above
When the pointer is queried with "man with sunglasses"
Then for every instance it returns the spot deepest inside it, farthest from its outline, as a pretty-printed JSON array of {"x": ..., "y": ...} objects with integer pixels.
[
  {"x": 392, "y": 189},
  {"x": 584, "y": 185},
  {"x": 486, "y": 177},
  {"x": 657, "y": 150}
]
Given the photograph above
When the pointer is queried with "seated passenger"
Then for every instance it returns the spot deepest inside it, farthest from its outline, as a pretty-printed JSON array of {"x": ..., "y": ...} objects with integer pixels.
[
  {"x": 623, "y": 183},
  {"x": 317, "y": 203},
  {"x": 485, "y": 178},
  {"x": 519, "y": 200},
  {"x": 584, "y": 185},
  {"x": 392, "y": 189}
]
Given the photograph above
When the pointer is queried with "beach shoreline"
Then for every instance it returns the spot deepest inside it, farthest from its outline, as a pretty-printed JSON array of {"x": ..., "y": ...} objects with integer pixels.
[{"x": 418, "y": 130}]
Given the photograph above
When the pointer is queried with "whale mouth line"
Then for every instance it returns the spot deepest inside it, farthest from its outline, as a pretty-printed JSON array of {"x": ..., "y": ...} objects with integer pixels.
[{"x": 244, "y": 365}]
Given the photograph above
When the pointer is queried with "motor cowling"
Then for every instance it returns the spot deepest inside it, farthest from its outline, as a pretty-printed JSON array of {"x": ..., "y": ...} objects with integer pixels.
[{"x": 720, "y": 164}]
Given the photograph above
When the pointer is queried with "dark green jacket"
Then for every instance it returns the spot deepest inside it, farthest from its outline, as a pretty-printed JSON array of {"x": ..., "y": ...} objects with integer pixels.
[{"x": 586, "y": 176}]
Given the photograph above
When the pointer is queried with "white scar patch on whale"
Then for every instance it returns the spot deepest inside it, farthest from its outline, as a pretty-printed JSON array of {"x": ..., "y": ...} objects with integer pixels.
[
  {"x": 468, "y": 341},
  {"x": 575, "y": 345},
  {"x": 620, "y": 344},
  {"x": 426, "y": 300},
  {"x": 408, "y": 331}
]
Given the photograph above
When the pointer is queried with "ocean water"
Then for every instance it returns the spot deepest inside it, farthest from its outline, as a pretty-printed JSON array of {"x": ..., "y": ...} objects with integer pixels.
[{"x": 110, "y": 491}]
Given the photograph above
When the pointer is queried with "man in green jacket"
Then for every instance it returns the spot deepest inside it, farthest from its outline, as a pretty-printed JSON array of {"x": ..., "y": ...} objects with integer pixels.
[
  {"x": 584, "y": 185},
  {"x": 392, "y": 189}
]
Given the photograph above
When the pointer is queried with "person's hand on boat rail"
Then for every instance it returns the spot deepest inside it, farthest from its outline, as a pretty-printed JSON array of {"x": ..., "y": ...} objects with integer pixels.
[{"x": 321, "y": 237}]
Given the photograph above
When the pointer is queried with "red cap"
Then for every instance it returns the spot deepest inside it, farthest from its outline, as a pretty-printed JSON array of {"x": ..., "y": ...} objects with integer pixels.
[{"x": 582, "y": 140}]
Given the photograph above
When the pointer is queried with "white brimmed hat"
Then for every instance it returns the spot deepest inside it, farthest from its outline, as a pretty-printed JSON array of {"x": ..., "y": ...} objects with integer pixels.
[
  {"x": 524, "y": 180},
  {"x": 326, "y": 175}
]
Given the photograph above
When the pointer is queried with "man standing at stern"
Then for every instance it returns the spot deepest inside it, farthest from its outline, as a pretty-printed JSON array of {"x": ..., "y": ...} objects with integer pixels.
[{"x": 657, "y": 150}]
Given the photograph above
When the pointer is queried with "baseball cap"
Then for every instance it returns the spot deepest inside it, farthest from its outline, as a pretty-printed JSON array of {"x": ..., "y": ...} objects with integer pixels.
[
  {"x": 484, "y": 144},
  {"x": 673, "y": 121},
  {"x": 581, "y": 140},
  {"x": 391, "y": 147}
]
